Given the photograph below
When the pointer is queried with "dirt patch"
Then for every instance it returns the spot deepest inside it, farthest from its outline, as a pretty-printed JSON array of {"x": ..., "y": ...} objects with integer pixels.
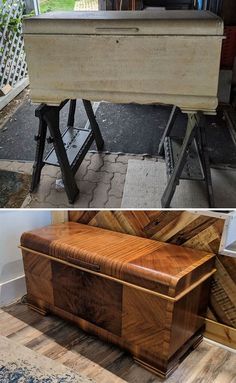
[{"x": 14, "y": 188}]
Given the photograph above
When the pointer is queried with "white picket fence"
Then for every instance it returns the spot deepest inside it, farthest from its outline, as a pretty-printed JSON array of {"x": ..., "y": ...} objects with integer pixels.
[{"x": 13, "y": 67}]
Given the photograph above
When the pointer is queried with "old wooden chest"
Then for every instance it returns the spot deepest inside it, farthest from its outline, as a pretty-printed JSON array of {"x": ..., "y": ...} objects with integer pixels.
[
  {"x": 169, "y": 57},
  {"x": 146, "y": 296}
]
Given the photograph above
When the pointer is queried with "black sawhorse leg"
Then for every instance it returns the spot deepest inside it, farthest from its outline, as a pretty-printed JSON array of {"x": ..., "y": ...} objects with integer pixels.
[
  {"x": 169, "y": 127},
  {"x": 49, "y": 118},
  {"x": 40, "y": 138},
  {"x": 93, "y": 123},
  {"x": 205, "y": 159},
  {"x": 195, "y": 131}
]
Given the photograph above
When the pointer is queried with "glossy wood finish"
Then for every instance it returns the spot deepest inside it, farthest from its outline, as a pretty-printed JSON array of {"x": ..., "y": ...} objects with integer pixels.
[
  {"x": 100, "y": 280},
  {"x": 197, "y": 231},
  {"x": 38, "y": 275},
  {"x": 184, "y": 228},
  {"x": 87, "y": 296},
  {"x": 168, "y": 269}
]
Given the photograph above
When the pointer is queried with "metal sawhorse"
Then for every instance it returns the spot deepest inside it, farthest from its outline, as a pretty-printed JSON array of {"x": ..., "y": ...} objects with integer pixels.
[{"x": 187, "y": 158}]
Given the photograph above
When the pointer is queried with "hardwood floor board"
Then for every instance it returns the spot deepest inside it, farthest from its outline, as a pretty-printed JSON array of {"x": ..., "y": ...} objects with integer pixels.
[
  {"x": 204, "y": 365},
  {"x": 137, "y": 374},
  {"x": 105, "y": 363},
  {"x": 105, "y": 352},
  {"x": 17, "y": 322},
  {"x": 121, "y": 364}
]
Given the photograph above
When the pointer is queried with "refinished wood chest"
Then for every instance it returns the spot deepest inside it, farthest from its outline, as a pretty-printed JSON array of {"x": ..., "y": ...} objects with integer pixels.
[
  {"x": 169, "y": 57},
  {"x": 146, "y": 296}
]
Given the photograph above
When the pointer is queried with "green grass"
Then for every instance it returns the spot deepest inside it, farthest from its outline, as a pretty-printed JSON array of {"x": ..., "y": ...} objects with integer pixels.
[{"x": 56, "y": 5}]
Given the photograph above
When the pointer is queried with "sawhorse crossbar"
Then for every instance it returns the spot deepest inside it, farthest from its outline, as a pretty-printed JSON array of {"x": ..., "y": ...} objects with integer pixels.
[
  {"x": 186, "y": 159},
  {"x": 70, "y": 147}
]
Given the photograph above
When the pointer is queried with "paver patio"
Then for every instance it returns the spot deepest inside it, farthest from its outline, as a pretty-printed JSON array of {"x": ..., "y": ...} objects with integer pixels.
[{"x": 100, "y": 178}]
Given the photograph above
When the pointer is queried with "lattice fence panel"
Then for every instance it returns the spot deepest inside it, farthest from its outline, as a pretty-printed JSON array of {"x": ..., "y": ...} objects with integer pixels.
[{"x": 13, "y": 66}]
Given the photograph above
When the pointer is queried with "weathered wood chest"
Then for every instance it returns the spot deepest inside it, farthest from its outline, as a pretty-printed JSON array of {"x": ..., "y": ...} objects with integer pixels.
[
  {"x": 146, "y": 296},
  {"x": 169, "y": 57}
]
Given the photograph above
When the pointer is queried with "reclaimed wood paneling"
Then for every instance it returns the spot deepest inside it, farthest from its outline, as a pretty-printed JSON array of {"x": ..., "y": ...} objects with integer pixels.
[{"x": 182, "y": 228}]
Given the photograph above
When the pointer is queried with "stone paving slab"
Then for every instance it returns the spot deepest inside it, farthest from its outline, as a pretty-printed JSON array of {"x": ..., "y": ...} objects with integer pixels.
[{"x": 146, "y": 182}]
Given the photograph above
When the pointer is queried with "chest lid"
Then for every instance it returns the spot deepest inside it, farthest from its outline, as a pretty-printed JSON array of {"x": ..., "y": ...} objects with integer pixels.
[
  {"x": 202, "y": 23},
  {"x": 164, "y": 268}
]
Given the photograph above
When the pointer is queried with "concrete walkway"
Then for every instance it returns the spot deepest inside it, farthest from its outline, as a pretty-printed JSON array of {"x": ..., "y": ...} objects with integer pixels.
[{"x": 100, "y": 179}]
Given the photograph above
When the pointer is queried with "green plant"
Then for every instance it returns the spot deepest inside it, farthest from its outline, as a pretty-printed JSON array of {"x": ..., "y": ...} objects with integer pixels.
[{"x": 13, "y": 22}]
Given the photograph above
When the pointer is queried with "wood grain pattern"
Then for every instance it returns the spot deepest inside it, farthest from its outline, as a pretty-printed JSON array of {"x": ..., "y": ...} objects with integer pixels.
[
  {"x": 63, "y": 342},
  {"x": 188, "y": 317},
  {"x": 38, "y": 274},
  {"x": 182, "y": 228},
  {"x": 144, "y": 323},
  {"x": 178, "y": 227},
  {"x": 89, "y": 273},
  {"x": 87, "y": 296},
  {"x": 161, "y": 267},
  {"x": 220, "y": 333}
]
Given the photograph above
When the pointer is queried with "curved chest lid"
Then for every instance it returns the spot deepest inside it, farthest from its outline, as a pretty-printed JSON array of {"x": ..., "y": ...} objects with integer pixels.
[{"x": 157, "y": 266}]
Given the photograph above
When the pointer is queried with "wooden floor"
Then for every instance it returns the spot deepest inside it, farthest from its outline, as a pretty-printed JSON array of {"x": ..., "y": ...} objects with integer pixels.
[{"x": 105, "y": 363}]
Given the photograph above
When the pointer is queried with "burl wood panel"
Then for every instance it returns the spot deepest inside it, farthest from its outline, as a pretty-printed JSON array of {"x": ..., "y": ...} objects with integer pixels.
[
  {"x": 183, "y": 228},
  {"x": 87, "y": 296}
]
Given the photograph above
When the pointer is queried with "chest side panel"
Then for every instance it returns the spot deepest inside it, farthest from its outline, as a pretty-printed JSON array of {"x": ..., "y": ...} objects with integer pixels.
[
  {"x": 188, "y": 316},
  {"x": 146, "y": 324},
  {"x": 38, "y": 274},
  {"x": 129, "y": 68}
]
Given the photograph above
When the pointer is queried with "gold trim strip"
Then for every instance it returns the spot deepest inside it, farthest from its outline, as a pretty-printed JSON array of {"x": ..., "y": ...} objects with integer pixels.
[{"x": 163, "y": 296}]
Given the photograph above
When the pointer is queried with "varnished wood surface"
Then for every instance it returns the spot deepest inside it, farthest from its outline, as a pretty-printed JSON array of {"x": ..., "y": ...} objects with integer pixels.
[
  {"x": 157, "y": 331},
  {"x": 184, "y": 228},
  {"x": 105, "y": 363},
  {"x": 158, "y": 266},
  {"x": 177, "y": 227},
  {"x": 89, "y": 297},
  {"x": 220, "y": 333}
]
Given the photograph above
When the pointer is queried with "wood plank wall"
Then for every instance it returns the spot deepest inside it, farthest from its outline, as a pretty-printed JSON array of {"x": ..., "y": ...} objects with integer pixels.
[{"x": 181, "y": 228}]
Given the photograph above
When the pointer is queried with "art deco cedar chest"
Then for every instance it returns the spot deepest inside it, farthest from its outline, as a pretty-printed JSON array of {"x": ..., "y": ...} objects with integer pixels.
[
  {"x": 169, "y": 57},
  {"x": 146, "y": 296}
]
